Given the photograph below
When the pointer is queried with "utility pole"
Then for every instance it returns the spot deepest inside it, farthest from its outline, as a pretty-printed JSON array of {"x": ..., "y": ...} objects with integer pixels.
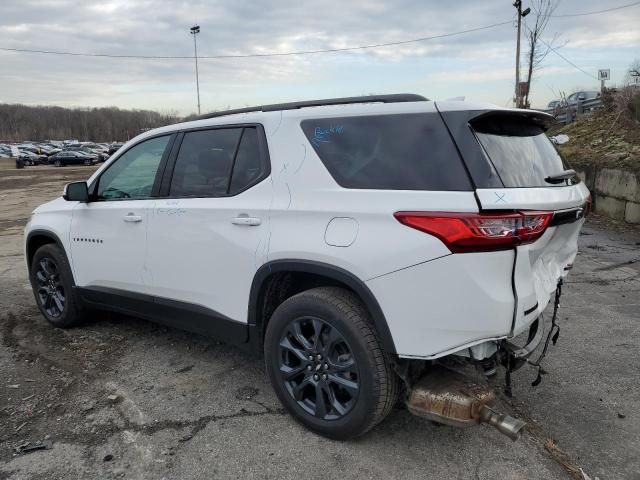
[
  {"x": 195, "y": 30},
  {"x": 521, "y": 15},
  {"x": 518, "y": 5}
]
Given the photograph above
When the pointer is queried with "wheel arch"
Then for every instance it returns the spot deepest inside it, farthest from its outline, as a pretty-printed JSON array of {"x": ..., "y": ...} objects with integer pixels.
[
  {"x": 269, "y": 273},
  {"x": 38, "y": 238}
]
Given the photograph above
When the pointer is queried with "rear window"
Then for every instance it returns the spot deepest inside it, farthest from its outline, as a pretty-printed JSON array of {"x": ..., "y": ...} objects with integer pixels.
[
  {"x": 520, "y": 151},
  {"x": 388, "y": 152}
]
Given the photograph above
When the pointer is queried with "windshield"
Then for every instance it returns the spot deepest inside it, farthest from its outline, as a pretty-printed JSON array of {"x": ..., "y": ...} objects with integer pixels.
[{"x": 520, "y": 151}]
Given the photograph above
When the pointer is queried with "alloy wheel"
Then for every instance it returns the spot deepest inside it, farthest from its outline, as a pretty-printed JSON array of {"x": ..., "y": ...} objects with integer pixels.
[
  {"x": 50, "y": 289},
  {"x": 318, "y": 368}
]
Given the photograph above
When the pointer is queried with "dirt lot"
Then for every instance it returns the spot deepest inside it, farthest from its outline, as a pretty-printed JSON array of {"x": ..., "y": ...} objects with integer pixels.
[{"x": 123, "y": 398}]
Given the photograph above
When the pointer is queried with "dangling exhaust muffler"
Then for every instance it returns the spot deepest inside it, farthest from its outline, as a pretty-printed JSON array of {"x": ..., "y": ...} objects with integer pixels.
[{"x": 448, "y": 397}]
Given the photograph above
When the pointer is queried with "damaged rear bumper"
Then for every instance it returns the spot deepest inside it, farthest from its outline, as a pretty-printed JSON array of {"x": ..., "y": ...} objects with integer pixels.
[{"x": 536, "y": 334}]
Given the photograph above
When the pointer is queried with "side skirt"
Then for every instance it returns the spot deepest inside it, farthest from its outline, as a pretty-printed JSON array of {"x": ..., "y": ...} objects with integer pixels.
[{"x": 181, "y": 315}]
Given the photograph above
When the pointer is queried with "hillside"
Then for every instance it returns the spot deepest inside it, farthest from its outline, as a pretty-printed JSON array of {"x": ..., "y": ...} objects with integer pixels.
[{"x": 607, "y": 138}]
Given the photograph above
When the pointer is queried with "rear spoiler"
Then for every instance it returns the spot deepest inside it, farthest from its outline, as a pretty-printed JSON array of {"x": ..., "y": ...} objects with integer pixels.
[{"x": 540, "y": 119}]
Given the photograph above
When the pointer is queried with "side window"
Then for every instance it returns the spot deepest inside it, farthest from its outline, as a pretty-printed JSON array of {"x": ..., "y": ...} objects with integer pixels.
[
  {"x": 133, "y": 174},
  {"x": 249, "y": 166},
  {"x": 204, "y": 162},
  {"x": 388, "y": 152}
]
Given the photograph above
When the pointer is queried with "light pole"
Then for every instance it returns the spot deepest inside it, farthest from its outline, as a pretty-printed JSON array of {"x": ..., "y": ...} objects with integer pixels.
[
  {"x": 195, "y": 30},
  {"x": 521, "y": 15}
]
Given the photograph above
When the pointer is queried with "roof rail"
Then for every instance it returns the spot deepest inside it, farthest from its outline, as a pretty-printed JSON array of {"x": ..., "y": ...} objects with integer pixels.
[{"x": 392, "y": 98}]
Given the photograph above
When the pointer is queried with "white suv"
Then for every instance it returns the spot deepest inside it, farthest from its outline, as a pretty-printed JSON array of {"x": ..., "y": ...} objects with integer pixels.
[{"x": 350, "y": 240}]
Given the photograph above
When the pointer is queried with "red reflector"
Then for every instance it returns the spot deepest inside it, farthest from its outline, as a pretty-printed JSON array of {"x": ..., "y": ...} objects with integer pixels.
[{"x": 479, "y": 232}]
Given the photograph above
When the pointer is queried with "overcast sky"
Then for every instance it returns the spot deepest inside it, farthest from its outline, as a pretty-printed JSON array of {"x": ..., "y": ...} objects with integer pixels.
[{"x": 478, "y": 65}]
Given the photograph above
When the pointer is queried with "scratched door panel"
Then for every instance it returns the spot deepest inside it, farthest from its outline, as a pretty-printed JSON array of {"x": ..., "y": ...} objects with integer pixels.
[{"x": 197, "y": 254}]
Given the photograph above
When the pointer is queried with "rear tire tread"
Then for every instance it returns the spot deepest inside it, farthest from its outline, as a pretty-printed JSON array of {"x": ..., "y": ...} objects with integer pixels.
[{"x": 388, "y": 384}]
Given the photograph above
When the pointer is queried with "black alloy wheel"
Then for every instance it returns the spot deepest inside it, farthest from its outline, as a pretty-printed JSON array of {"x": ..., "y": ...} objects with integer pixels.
[
  {"x": 326, "y": 364},
  {"x": 318, "y": 368},
  {"x": 50, "y": 288}
]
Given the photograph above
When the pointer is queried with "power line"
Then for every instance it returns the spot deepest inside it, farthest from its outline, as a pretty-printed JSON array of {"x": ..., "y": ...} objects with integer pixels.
[
  {"x": 567, "y": 60},
  {"x": 254, "y": 55},
  {"x": 562, "y": 56},
  {"x": 304, "y": 52},
  {"x": 597, "y": 11}
]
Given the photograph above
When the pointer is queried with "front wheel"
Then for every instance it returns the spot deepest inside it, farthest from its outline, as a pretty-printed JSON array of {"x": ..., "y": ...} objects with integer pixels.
[
  {"x": 326, "y": 364},
  {"x": 52, "y": 283}
]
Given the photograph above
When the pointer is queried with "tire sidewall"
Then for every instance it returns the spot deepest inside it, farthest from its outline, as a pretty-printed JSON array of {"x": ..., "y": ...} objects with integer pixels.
[
  {"x": 53, "y": 252},
  {"x": 305, "y": 305}
]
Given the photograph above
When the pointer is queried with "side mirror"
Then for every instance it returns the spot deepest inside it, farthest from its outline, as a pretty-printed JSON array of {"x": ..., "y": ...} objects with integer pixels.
[
  {"x": 580, "y": 97},
  {"x": 76, "y": 192}
]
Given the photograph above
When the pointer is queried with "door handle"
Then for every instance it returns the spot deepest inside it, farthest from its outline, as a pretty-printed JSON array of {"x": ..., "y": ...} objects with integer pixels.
[
  {"x": 130, "y": 217},
  {"x": 246, "y": 220}
]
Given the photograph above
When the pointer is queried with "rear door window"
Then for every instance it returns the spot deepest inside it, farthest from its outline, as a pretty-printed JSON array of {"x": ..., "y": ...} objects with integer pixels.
[
  {"x": 388, "y": 152},
  {"x": 218, "y": 162},
  {"x": 520, "y": 151},
  {"x": 203, "y": 165},
  {"x": 250, "y": 165}
]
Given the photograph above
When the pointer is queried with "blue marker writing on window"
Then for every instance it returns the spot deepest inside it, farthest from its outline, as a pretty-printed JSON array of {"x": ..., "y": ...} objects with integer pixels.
[{"x": 320, "y": 134}]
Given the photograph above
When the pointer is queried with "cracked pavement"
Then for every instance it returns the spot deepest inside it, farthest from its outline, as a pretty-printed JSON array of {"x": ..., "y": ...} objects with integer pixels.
[{"x": 123, "y": 398}]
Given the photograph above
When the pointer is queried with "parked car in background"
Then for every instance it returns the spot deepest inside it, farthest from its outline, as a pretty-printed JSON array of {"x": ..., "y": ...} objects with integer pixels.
[
  {"x": 582, "y": 96},
  {"x": 31, "y": 158},
  {"x": 114, "y": 147},
  {"x": 70, "y": 157},
  {"x": 553, "y": 104}
]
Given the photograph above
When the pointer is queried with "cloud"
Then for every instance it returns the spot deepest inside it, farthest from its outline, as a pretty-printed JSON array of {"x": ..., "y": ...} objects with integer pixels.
[{"x": 161, "y": 27}]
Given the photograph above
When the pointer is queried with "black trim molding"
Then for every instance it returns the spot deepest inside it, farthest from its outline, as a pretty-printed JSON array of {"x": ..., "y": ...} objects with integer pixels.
[{"x": 182, "y": 315}]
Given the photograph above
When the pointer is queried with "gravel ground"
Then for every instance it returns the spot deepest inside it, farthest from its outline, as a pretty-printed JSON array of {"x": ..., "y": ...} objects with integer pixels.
[{"x": 123, "y": 398}]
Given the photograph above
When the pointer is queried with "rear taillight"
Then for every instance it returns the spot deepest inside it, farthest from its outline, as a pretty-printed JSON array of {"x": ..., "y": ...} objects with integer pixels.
[{"x": 479, "y": 232}]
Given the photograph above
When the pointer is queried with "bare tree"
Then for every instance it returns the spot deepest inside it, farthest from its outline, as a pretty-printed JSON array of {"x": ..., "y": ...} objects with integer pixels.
[
  {"x": 22, "y": 122},
  {"x": 538, "y": 48}
]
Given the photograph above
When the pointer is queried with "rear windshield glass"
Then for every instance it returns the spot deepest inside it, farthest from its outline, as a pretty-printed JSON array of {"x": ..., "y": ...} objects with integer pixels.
[
  {"x": 520, "y": 151},
  {"x": 388, "y": 152}
]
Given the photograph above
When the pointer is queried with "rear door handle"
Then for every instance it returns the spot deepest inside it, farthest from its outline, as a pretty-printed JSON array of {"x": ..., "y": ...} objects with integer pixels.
[
  {"x": 246, "y": 220},
  {"x": 130, "y": 217}
]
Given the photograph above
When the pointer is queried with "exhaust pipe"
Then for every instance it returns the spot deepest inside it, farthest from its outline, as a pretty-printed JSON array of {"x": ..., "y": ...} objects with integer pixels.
[
  {"x": 506, "y": 424},
  {"x": 448, "y": 397}
]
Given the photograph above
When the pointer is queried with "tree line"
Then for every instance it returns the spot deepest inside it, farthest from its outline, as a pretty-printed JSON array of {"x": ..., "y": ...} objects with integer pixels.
[{"x": 38, "y": 123}]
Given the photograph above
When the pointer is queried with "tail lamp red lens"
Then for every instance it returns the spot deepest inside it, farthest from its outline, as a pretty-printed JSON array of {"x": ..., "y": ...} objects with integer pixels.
[{"x": 479, "y": 232}]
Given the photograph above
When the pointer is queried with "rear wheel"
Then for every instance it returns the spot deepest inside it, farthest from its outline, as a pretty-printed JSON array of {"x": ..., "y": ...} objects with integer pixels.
[
  {"x": 326, "y": 364},
  {"x": 52, "y": 283}
]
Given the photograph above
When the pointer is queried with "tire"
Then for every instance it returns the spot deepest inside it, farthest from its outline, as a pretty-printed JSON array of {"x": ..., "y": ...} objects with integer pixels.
[
  {"x": 350, "y": 352},
  {"x": 50, "y": 272}
]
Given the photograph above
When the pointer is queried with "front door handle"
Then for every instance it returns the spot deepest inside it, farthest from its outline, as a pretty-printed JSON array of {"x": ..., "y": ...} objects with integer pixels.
[
  {"x": 246, "y": 220},
  {"x": 130, "y": 217}
]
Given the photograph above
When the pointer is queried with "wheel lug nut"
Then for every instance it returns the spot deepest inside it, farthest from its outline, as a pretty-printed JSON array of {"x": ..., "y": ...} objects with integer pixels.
[
  {"x": 324, "y": 376},
  {"x": 326, "y": 366},
  {"x": 319, "y": 357},
  {"x": 315, "y": 377},
  {"x": 309, "y": 367},
  {"x": 310, "y": 357}
]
